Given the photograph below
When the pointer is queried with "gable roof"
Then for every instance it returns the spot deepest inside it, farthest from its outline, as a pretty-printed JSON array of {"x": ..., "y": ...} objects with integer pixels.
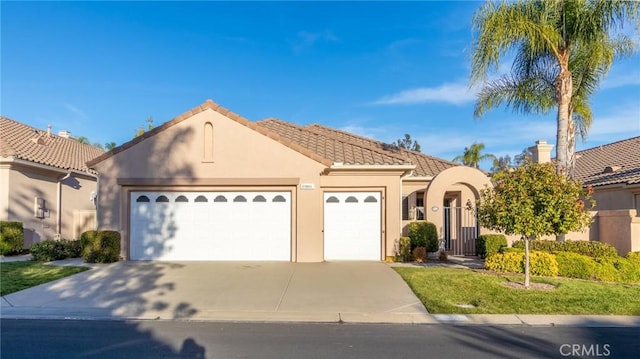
[
  {"x": 613, "y": 163},
  {"x": 30, "y": 144},
  {"x": 320, "y": 143},
  {"x": 330, "y": 147},
  {"x": 425, "y": 165},
  {"x": 221, "y": 110}
]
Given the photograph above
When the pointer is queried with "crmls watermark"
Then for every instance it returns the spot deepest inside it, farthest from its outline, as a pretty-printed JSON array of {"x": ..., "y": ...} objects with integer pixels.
[{"x": 585, "y": 350}]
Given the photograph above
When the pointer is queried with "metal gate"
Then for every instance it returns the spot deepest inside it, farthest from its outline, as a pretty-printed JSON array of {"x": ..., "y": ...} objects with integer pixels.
[{"x": 460, "y": 231}]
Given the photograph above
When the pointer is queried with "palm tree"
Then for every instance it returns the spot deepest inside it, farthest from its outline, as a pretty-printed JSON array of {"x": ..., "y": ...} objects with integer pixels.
[
  {"x": 563, "y": 49},
  {"x": 473, "y": 155}
]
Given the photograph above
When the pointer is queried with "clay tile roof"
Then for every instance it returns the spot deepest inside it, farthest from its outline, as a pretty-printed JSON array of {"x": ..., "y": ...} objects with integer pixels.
[
  {"x": 30, "y": 144},
  {"x": 333, "y": 147},
  {"x": 613, "y": 163},
  {"x": 425, "y": 165}
]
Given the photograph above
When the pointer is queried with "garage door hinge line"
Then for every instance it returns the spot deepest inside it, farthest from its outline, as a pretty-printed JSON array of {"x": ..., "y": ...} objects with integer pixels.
[{"x": 286, "y": 288}]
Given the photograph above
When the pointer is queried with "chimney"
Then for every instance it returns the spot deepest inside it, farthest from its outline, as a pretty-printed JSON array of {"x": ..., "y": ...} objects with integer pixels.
[
  {"x": 64, "y": 134},
  {"x": 48, "y": 130},
  {"x": 541, "y": 152}
]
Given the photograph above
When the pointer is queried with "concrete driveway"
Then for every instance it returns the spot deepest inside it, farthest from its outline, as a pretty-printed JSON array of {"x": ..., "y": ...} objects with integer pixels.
[{"x": 252, "y": 291}]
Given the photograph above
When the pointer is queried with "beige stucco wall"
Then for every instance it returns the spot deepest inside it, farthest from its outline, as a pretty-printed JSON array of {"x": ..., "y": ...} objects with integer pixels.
[
  {"x": 173, "y": 160},
  {"x": 24, "y": 183},
  {"x": 621, "y": 229},
  {"x": 614, "y": 198}
]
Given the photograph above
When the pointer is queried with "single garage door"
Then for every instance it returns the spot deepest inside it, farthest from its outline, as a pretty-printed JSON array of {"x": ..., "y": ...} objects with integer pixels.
[
  {"x": 231, "y": 226},
  {"x": 352, "y": 227}
]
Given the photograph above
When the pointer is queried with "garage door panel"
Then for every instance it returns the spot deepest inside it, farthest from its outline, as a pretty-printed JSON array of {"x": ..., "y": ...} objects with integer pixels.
[
  {"x": 352, "y": 226},
  {"x": 211, "y": 226}
]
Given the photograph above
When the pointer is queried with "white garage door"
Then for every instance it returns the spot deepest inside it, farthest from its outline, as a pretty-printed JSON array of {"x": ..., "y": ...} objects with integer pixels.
[
  {"x": 229, "y": 226},
  {"x": 352, "y": 228}
]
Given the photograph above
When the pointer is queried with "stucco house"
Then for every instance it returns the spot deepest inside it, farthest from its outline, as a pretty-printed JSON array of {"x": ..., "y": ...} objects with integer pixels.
[
  {"x": 45, "y": 182},
  {"x": 613, "y": 170},
  {"x": 212, "y": 185}
]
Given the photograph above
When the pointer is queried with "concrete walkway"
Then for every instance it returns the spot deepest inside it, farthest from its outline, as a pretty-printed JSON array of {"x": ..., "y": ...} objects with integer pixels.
[{"x": 360, "y": 292}]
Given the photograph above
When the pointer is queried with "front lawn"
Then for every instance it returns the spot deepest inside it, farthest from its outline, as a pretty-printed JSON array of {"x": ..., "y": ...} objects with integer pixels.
[
  {"x": 16, "y": 276},
  {"x": 443, "y": 290}
]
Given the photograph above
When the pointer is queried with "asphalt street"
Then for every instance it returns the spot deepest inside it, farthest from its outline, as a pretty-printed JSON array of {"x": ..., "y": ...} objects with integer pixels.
[{"x": 22, "y": 338}]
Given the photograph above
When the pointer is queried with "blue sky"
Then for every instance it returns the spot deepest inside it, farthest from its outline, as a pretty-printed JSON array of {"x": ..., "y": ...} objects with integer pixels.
[{"x": 377, "y": 69}]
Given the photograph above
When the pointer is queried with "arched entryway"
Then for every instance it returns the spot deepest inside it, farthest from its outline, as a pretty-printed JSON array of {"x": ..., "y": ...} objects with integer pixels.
[{"x": 446, "y": 205}]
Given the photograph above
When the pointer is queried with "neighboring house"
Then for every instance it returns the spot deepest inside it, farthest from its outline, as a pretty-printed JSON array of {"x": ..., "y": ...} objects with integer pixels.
[
  {"x": 45, "y": 182},
  {"x": 211, "y": 185},
  {"x": 613, "y": 170}
]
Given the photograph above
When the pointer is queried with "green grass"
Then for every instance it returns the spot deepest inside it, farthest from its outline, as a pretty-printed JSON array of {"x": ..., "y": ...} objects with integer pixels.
[
  {"x": 441, "y": 289},
  {"x": 16, "y": 276}
]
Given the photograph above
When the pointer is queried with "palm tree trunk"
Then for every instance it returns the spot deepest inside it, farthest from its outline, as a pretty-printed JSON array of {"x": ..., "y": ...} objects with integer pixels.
[{"x": 564, "y": 139}]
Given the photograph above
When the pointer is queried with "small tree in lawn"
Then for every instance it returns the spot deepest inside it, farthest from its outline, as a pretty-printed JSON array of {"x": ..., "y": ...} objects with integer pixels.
[{"x": 532, "y": 201}]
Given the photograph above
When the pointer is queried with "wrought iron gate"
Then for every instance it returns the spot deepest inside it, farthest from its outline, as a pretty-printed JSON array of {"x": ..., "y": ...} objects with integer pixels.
[{"x": 461, "y": 230}]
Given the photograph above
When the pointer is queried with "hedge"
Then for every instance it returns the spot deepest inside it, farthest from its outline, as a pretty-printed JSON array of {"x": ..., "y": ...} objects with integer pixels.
[
  {"x": 100, "y": 246},
  {"x": 11, "y": 238},
  {"x": 52, "y": 250},
  {"x": 592, "y": 249},
  {"x": 540, "y": 263},
  {"x": 488, "y": 244},
  {"x": 424, "y": 234},
  {"x": 403, "y": 250}
]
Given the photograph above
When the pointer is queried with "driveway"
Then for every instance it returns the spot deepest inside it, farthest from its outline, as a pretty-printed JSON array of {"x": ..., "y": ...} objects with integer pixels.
[{"x": 252, "y": 291}]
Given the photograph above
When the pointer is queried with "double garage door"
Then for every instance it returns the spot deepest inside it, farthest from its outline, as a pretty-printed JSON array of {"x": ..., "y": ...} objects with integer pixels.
[
  {"x": 233, "y": 226},
  {"x": 248, "y": 226}
]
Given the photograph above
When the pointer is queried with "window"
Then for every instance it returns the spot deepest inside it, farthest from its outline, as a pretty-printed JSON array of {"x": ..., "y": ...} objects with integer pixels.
[
  {"x": 637, "y": 197},
  {"x": 207, "y": 155},
  {"x": 370, "y": 199},
  {"x": 143, "y": 199},
  {"x": 259, "y": 198},
  {"x": 162, "y": 199},
  {"x": 240, "y": 198},
  {"x": 220, "y": 199},
  {"x": 405, "y": 208},
  {"x": 351, "y": 199},
  {"x": 420, "y": 206},
  {"x": 278, "y": 198},
  {"x": 201, "y": 199},
  {"x": 333, "y": 199},
  {"x": 182, "y": 199}
]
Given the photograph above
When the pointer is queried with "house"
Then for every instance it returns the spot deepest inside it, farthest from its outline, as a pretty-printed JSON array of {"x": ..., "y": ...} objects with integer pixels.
[
  {"x": 45, "y": 182},
  {"x": 613, "y": 171},
  {"x": 212, "y": 185}
]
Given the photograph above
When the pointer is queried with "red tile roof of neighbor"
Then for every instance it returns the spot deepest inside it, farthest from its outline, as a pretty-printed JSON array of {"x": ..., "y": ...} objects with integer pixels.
[
  {"x": 613, "y": 163},
  {"x": 34, "y": 145},
  {"x": 320, "y": 143}
]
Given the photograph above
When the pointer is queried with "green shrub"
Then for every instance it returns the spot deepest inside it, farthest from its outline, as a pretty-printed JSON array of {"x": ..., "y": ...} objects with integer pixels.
[
  {"x": 11, "y": 238},
  {"x": 424, "y": 234},
  {"x": 100, "y": 246},
  {"x": 505, "y": 262},
  {"x": 403, "y": 250},
  {"x": 52, "y": 250},
  {"x": 592, "y": 249},
  {"x": 541, "y": 263},
  {"x": 574, "y": 265},
  {"x": 511, "y": 250},
  {"x": 419, "y": 254},
  {"x": 488, "y": 244},
  {"x": 634, "y": 257}
]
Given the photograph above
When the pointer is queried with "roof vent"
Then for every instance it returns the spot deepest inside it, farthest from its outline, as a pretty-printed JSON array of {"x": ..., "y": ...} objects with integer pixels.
[{"x": 611, "y": 169}]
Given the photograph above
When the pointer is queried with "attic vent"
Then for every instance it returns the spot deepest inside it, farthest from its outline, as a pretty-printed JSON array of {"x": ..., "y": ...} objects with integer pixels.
[{"x": 611, "y": 169}]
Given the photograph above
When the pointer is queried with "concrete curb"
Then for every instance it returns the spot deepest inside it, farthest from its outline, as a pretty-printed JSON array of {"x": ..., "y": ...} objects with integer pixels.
[{"x": 320, "y": 317}]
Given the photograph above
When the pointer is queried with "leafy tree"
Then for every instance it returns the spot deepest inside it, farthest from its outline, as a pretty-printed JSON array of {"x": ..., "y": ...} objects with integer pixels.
[
  {"x": 407, "y": 143},
  {"x": 532, "y": 201},
  {"x": 501, "y": 163},
  {"x": 83, "y": 140},
  {"x": 563, "y": 49},
  {"x": 140, "y": 131},
  {"x": 473, "y": 155},
  {"x": 523, "y": 157},
  {"x": 109, "y": 146},
  {"x": 98, "y": 145}
]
